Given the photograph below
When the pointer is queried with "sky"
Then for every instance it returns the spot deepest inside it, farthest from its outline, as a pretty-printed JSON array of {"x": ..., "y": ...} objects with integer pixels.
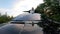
[{"x": 16, "y": 7}]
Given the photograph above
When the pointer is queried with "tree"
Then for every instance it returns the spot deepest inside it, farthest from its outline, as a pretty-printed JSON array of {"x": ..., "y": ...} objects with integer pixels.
[
  {"x": 52, "y": 9},
  {"x": 5, "y": 18},
  {"x": 49, "y": 10}
]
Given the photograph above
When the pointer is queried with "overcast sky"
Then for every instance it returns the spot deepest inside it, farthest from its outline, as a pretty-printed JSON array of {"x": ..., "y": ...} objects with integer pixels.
[{"x": 16, "y": 7}]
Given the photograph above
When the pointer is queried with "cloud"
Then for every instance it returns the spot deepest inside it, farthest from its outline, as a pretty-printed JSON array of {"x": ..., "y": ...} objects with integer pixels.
[
  {"x": 25, "y": 5},
  {"x": 9, "y": 12},
  {"x": 18, "y": 6},
  {"x": 4, "y": 10}
]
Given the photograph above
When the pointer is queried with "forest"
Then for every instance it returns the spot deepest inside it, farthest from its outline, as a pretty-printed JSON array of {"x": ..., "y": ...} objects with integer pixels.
[{"x": 5, "y": 18}]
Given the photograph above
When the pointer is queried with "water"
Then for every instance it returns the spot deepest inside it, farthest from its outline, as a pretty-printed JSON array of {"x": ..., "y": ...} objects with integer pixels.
[{"x": 21, "y": 29}]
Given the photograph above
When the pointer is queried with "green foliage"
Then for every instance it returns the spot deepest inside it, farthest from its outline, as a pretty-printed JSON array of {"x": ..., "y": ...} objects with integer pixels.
[
  {"x": 5, "y": 18},
  {"x": 40, "y": 8},
  {"x": 50, "y": 8},
  {"x": 50, "y": 14}
]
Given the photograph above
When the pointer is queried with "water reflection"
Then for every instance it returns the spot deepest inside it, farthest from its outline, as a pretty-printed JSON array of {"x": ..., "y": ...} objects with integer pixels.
[{"x": 21, "y": 29}]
